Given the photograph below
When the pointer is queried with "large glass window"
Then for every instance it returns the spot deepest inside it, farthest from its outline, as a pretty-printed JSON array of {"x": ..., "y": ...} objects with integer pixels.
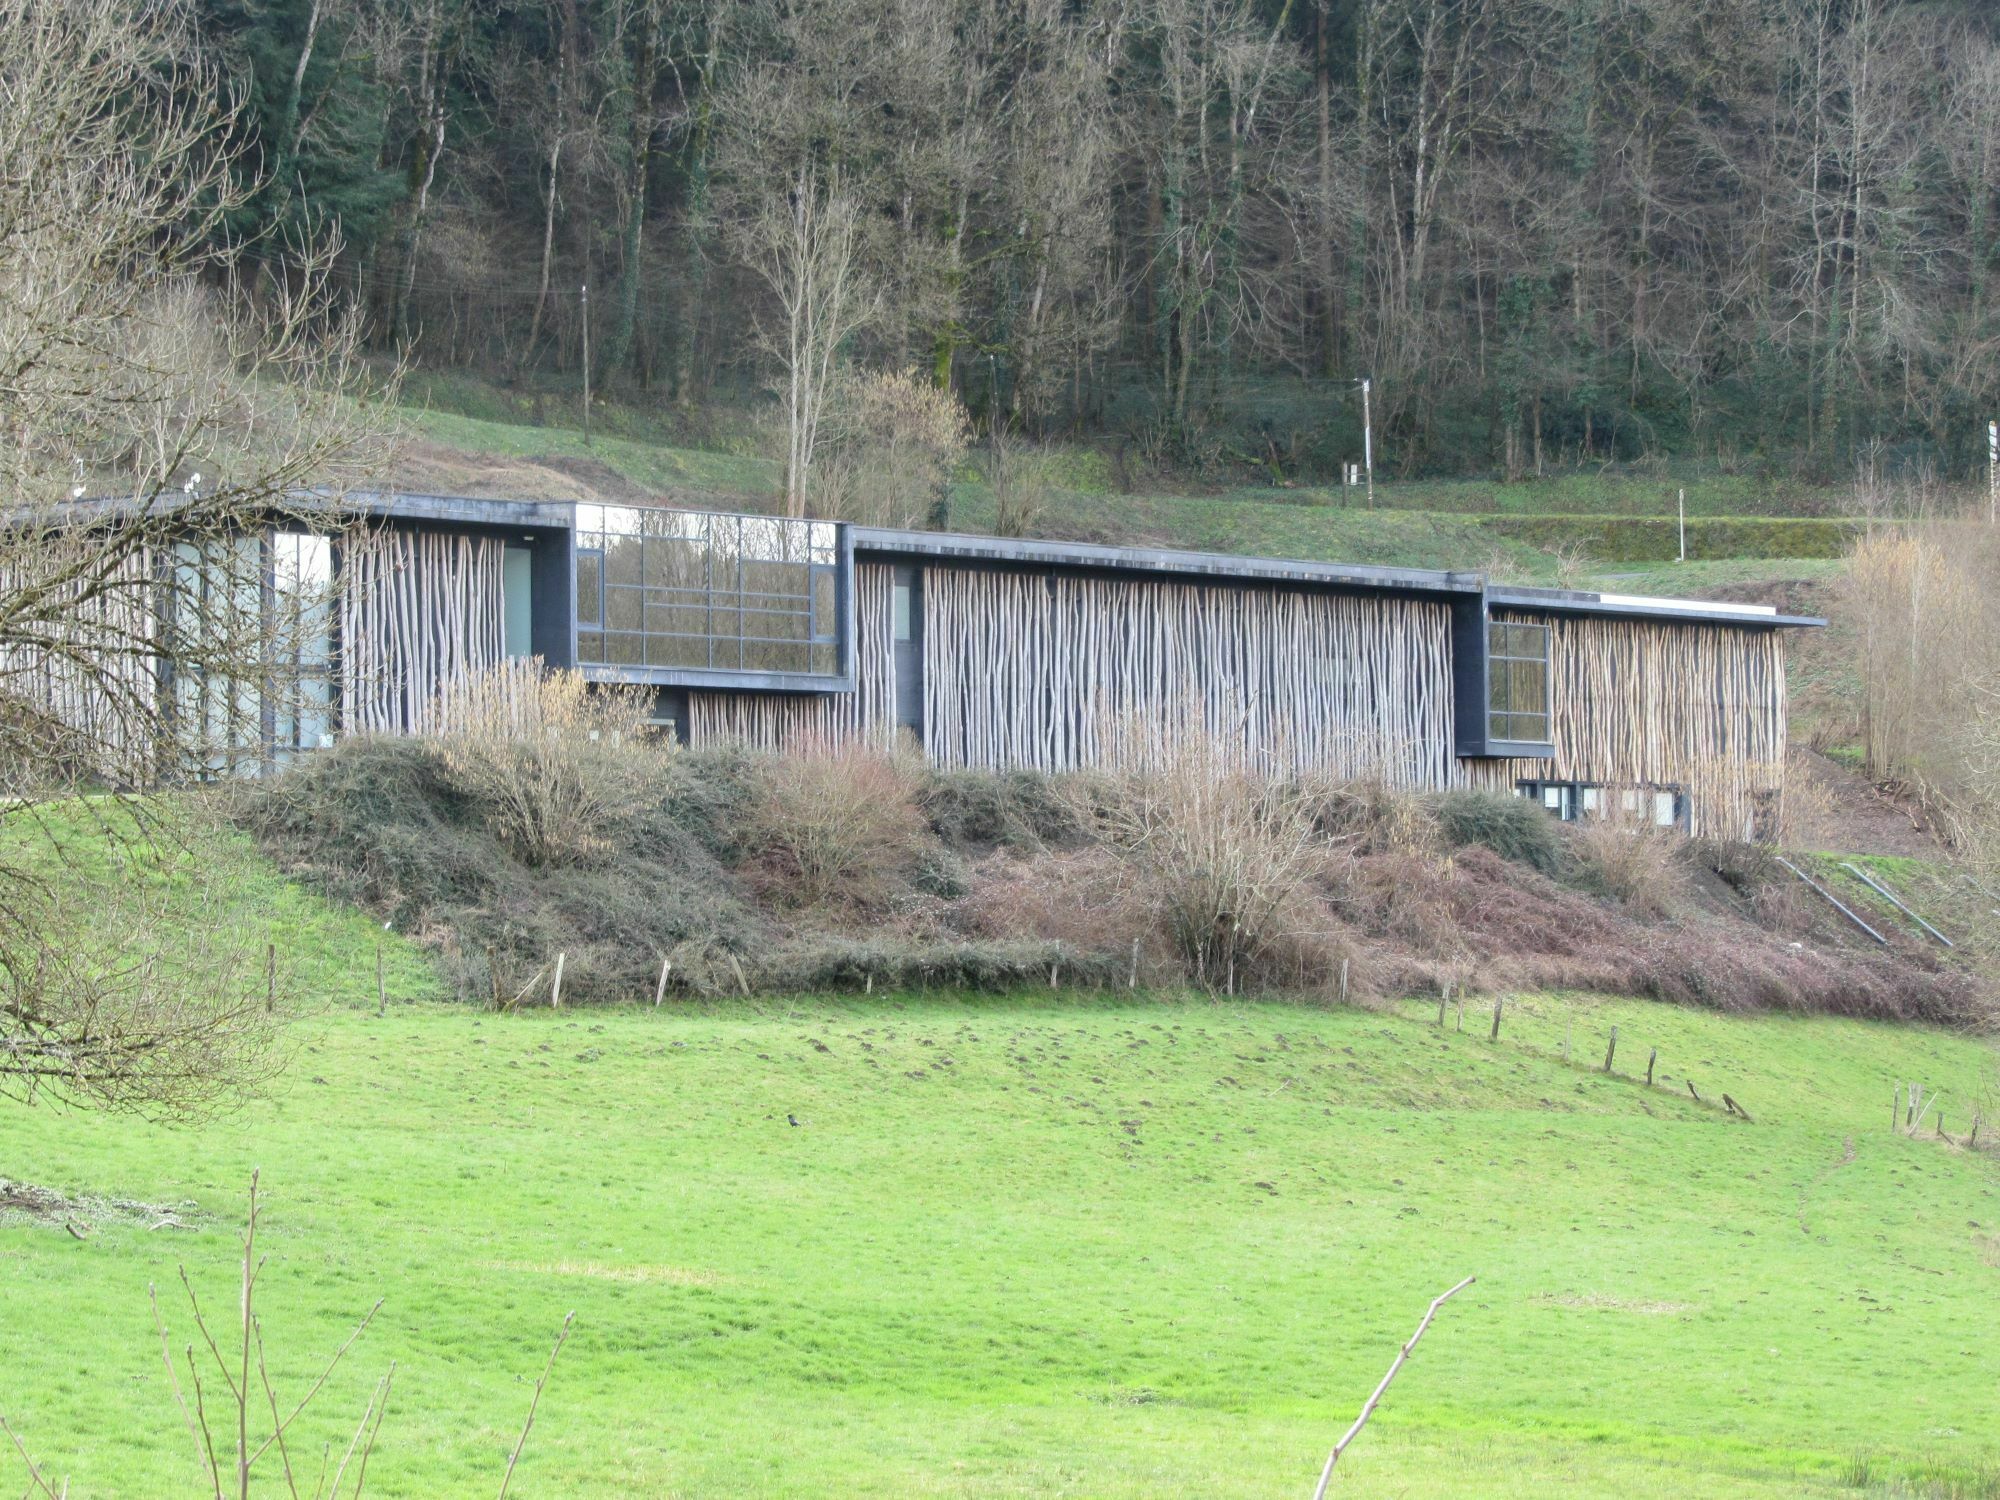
[
  {"x": 251, "y": 658},
  {"x": 301, "y": 646},
  {"x": 672, "y": 588},
  {"x": 1517, "y": 682}
]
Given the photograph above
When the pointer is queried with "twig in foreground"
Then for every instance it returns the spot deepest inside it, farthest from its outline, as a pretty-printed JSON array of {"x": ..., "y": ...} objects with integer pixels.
[
  {"x": 1367, "y": 1411},
  {"x": 562, "y": 1337}
]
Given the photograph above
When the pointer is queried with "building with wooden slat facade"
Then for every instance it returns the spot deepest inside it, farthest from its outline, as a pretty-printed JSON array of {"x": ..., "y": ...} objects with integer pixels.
[{"x": 998, "y": 653}]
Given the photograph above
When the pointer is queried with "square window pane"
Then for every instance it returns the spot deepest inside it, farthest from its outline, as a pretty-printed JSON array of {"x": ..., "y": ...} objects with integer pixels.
[
  {"x": 1496, "y": 690},
  {"x": 901, "y": 597},
  {"x": 1524, "y": 691},
  {"x": 589, "y": 576},
  {"x": 1528, "y": 640},
  {"x": 1496, "y": 639},
  {"x": 1496, "y": 727}
]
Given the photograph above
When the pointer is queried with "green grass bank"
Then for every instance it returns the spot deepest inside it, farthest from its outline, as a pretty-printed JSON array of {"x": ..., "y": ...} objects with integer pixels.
[{"x": 1055, "y": 1246}]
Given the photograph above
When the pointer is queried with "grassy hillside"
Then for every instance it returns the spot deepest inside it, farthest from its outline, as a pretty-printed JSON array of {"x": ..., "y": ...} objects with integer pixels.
[
  {"x": 479, "y": 439},
  {"x": 1138, "y": 1248}
]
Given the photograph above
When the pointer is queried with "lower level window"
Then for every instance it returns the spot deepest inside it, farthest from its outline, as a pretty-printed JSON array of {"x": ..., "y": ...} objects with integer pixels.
[{"x": 1661, "y": 806}]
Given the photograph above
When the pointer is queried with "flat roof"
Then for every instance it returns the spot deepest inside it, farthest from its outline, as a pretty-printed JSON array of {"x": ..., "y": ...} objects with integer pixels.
[
  {"x": 1163, "y": 561},
  {"x": 1157, "y": 562},
  {"x": 1233, "y": 567}
]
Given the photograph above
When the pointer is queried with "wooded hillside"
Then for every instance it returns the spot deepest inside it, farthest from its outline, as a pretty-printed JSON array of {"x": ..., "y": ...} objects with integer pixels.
[{"x": 1549, "y": 229}]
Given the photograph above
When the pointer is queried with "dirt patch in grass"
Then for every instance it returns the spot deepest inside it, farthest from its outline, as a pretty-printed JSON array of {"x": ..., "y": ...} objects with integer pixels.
[
  {"x": 24, "y": 1202},
  {"x": 436, "y": 468},
  {"x": 1836, "y": 807}
]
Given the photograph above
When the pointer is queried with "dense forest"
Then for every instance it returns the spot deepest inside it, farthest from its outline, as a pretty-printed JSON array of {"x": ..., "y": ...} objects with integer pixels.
[{"x": 1549, "y": 230}]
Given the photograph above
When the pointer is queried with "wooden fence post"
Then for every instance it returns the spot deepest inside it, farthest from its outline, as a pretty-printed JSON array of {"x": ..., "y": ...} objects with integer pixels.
[
  {"x": 1496, "y": 1020},
  {"x": 1609, "y": 1051},
  {"x": 660, "y": 989},
  {"x": 555, "y": 990},
  {"x": 381, "y": 989},
  {"x": 1132, "y": 980},
  {"x": 1651, "y": 1058},
  {"x": 1444, "y": 998},
  {"x": 270, "y": 978}
]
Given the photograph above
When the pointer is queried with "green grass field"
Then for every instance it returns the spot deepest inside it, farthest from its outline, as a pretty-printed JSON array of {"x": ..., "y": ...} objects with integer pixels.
[{"x": 1056, "y": 1246}]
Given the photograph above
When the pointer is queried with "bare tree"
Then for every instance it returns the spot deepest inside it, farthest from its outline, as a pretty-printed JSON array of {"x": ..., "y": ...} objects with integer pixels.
[
  {"x": 806, "y": 246},
  {"x": 139, "y": 631}
]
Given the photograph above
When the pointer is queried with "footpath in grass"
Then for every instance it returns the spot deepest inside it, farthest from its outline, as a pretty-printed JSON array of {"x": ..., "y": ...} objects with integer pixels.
[{"x": 1054, "y": 1246}]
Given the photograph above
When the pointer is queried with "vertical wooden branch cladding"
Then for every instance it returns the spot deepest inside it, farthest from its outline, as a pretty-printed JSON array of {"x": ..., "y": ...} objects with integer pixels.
[
  {"x": 765, "y": 721},
  {"x": 1644, "y": 703},
  {"x": 419, "y": 609},
  {"x": 1059, "y": 672}
]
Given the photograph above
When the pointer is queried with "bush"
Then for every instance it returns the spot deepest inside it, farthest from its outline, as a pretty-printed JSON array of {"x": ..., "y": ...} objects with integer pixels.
[
  {"x": 1017, "y": 809},
  {"x": 1512, "y": 827},
  {"x": 378, "y": 823},
  {"x": 893, "y": 440},
  {"x": 1640, "y": 867},
  {"x": 1229, "y": 860},
  {"x": 837, "y": 823},
  {"x": 549, "y": 758}
]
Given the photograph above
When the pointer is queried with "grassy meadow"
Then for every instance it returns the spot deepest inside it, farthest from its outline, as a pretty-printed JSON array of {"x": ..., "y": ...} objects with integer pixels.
[{"x": 1053, "y": 1245}]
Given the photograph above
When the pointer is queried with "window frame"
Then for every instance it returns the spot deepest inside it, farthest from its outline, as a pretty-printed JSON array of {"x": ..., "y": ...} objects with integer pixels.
[
  {"x": 712, "y": 597},
  {"x": 1505, "y": 717},
  {"x": 1638, "y": 804}
]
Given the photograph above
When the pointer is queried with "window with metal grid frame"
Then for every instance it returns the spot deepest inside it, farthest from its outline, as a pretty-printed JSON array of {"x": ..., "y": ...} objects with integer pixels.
[
  {"x": 1517, "y": 682},
  {"x": 706, "y": 591}
]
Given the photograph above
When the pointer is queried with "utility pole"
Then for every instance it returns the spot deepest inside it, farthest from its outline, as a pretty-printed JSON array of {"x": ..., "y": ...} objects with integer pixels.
[
  {"x": 1368, "y": 439},
  {"x": 1684, "y": 525},
  {"x": 1992, "y": 472},
  {"x": 586, "y": 362}
]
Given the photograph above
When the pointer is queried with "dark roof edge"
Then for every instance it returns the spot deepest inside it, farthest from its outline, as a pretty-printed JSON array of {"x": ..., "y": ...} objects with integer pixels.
[
  {"x": 466, "y": 510},
  {"x": 1164, "y": 561},
  {"x": 1158, "y": 560}
]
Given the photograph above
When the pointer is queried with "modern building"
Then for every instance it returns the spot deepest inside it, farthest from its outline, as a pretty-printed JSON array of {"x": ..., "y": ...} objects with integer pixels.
[{"x": 996, "y": 653}]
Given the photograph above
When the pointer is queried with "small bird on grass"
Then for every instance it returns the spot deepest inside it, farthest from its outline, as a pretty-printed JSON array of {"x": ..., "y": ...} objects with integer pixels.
[{"x": 791, "y": 1119}]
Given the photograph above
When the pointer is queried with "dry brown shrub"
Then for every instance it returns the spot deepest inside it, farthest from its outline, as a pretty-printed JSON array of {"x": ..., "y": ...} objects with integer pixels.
[
  {"x": 1375, "y": 818},
  {"x": 1230, "y": 860},
  {"x": 1529, "y": 932},
  {"x": 1643, "y": 868},
  {"x": 1402, "y": 897},
  {"x": 838, "y": 824},
  {"x": 1085, "y": 899},
  {"x": 549, "y": 757}
]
